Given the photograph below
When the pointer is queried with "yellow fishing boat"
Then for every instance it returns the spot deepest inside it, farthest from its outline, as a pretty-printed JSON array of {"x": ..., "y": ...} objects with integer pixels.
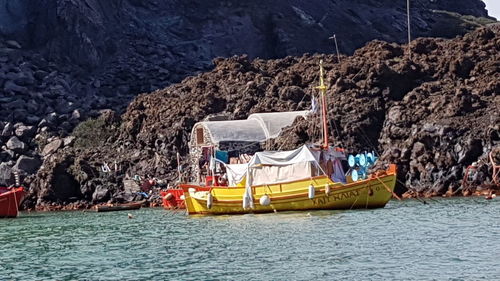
[
  {"x": 316, "y": 193},
  {"x": 308, "y": 178}
]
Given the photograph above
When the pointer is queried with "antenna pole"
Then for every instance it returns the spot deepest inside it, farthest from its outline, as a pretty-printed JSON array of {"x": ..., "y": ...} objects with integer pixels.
[
  {"x": 334, "y": 37},
  {"x": 336, "y": 47},
  {"x": 409, "y": 28},
  {"x": 322, "y": 89}
]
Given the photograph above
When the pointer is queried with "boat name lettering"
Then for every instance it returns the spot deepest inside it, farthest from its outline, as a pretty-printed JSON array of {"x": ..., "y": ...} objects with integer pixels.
[{"x": 336, "y": 197}]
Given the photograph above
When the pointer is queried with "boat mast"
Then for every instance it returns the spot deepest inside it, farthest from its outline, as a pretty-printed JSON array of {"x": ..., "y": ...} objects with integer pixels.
[{"x": 322, "y": 89}]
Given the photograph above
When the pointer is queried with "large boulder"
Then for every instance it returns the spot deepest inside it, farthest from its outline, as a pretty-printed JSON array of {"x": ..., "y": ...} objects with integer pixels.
[
  {"x": 101, "y": 194},
  {"x": 69, "y": 140},
  {"x": 11, "y": 87},
  {"x": 16, "y": 145},
  {"x": 6, "y": 155},
  {"x": 8, "y": 129},
  {"x": 6, "y": 176},
  {"x": 52, "y": 147},
  {"x": 64, "y": 107},
  {"x": 28, "y": 165},
  {"x": 25, "y": 132}
]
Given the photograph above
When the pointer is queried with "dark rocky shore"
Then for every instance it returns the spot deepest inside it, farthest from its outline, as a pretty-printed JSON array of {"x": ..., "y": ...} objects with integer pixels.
[
  {"x": 64, "y": 62},
  {"x": 433, "y": 115}
]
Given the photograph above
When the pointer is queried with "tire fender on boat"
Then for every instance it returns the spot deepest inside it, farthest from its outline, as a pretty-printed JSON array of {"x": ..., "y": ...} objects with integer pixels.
[
  {"x": 210, "y": 200},
  {"x": 311, "y": 191},
  {"x": 265, "y": 200}
]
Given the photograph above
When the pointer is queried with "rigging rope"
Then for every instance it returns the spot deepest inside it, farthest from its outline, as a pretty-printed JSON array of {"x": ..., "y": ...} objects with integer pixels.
[{"x": 15, "y": 201}]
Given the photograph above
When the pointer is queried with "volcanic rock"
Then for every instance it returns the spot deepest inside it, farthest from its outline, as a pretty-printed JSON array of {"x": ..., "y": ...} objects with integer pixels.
[
  {"x": 8, "y": 129},
  {"x": 16, "y": 145},
  {"x": 52, "y": 147},
  {"x": 372, "y": 106},
  {"x": 105, "y": 54},
  {"x": 26, "y": 164},
  {"x": 101, "y": 194},
  {"x": 12, "y": 87},
  {"x": 6, "y": 176},
  {"x": 69, "y": 140},
  {"x": 25, "y": 132},
  {"x": 13, "y": 44}
]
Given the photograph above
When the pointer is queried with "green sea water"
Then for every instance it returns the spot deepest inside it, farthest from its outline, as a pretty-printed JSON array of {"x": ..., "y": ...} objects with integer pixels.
[{"x": 447, "y": 239}]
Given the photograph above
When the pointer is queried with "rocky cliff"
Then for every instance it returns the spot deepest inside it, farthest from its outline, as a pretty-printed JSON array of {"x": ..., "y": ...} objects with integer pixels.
[
  {"x": 433, "y": 114},
  {"x": 62, "y": 62}
]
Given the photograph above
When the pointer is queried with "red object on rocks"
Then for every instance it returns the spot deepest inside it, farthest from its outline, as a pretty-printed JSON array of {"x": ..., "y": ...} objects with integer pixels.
[{"x": 10, "y": 199}]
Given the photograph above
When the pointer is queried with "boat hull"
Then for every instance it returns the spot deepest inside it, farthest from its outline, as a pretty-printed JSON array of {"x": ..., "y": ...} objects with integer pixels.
[
  {"x": 10, "y": 200},
  {"x": 121, "y": 207},
  {"x": 175, "y": 200},
  {"x": 373, "y": 192}
]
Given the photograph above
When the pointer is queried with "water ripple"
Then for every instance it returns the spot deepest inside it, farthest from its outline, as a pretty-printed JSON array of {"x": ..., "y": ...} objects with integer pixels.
[{"x": 447, "y": 239}]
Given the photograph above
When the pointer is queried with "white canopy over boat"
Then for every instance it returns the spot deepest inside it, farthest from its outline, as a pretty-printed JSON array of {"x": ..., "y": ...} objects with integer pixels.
[
  {"x": 258, "y": 127},
  {"x": 271, "y": 167}
]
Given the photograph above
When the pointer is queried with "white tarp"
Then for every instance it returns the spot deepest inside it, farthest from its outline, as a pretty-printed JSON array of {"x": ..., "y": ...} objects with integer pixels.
[
  {"x": 270, "y": 167},
  {"x": 235, "y": 130},
  {"x": 274, "y": 122},
  {"x": 236, "y": 173},
  {"x": 282, "y": 158},
  {"x": 277, "y": 174},
  {"x": 259, "y": 127}
]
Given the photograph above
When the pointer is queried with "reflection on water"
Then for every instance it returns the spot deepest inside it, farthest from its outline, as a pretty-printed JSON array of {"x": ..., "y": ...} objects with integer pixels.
[{"x": 447, "y": 239}]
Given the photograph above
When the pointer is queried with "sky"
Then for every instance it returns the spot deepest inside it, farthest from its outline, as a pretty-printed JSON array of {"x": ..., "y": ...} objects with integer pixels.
[{"x": 493, "y": 7}]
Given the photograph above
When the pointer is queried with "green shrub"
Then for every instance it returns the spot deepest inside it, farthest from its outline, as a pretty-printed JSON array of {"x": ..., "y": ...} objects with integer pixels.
[
  {"x": 92, "y": 133},
  {"x": 449, "y": 24}
]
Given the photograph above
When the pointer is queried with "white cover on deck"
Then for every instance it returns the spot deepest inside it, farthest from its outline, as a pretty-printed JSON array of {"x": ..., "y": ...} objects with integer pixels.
[
  {"x": 282, "y": 158},
  {"x": 236, "y": 173},
  {"x": 277, "y": 174},
  {"x": 270, "y": 167}
]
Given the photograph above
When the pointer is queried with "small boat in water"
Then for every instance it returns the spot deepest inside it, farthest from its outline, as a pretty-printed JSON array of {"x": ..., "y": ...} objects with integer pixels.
[
  {"x": 311, "y": 177},
  {"x": 10, "y": 199},
  {"x": 305, "y": 191},
  {"x": 120, "y": 207},
  {"x": 173, "y": 198}
]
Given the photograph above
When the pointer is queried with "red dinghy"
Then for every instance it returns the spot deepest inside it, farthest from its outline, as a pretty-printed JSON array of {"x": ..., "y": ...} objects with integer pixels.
[
  {"x": 10, "y": 199},
  {"x": 174, "y": 198}
]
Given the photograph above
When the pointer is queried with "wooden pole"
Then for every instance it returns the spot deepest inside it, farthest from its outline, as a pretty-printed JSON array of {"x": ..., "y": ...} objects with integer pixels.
[{"x": 409, "y": 28}]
